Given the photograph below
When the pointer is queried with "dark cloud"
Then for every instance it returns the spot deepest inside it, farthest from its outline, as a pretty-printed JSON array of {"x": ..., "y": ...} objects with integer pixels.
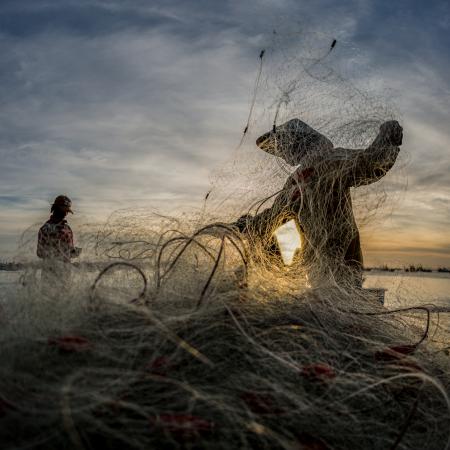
[
  {"x": 432, "y": 176},
  {"x": 10, "y": 199},
  {"x": 83, "y": 18},
  {"x": 92, "y": 18}
]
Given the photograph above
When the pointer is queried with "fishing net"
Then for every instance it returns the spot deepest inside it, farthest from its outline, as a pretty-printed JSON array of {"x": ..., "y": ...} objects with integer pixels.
[{"x": 188, "y": 329}]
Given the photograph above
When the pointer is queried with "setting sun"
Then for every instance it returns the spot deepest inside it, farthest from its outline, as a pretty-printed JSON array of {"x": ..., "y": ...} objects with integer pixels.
[{"x": 289, "y": 241}]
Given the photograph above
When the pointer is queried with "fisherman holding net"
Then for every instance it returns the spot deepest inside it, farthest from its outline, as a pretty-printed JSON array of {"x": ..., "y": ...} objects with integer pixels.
[
  {"x": 317, "y": 196},
  {"x": 56, "y": 247}
]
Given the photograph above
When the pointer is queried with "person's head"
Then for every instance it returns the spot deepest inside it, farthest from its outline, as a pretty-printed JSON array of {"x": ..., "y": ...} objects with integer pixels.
[
  {"x": 293, "y": 141},
  {"x": 61, "y": 206}
]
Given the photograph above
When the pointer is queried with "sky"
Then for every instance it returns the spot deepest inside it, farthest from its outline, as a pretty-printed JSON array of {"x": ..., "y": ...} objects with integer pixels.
[{"x": 132, "y": 103}]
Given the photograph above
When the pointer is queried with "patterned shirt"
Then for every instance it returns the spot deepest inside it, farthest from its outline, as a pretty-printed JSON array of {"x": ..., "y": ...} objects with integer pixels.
[{"x": 55, "y": 240}]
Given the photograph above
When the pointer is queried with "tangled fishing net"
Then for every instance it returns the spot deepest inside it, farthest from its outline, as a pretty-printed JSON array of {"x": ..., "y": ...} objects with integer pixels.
[{"x": 190, "y": 331}]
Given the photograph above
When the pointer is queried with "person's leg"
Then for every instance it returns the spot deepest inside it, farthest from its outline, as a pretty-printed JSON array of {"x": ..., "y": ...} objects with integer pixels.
[
  {"x": 55, "y": 277},
  {"x": 353, "y": 259},
  {"x": 49, "y": 277}
]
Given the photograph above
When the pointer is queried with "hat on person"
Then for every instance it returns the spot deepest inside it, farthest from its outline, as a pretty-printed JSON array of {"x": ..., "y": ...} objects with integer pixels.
[
  {"x": 292, "y": 141},
  {"x": 62, "y": 201}
]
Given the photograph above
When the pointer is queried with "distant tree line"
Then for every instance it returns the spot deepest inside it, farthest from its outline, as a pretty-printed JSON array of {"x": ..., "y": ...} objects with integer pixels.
[
  {"x": 10, "y": 266},
  {"x": 89, "y": 266},
  {"x": 410, "y": 268}
]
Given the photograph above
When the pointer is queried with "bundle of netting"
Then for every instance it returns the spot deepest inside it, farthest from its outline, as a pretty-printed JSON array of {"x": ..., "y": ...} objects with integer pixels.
[{"x": 195, "y": 330}]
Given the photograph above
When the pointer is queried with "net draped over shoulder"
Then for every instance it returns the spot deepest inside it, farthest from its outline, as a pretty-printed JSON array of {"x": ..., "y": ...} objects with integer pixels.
[{"x": 317, "y": 194}]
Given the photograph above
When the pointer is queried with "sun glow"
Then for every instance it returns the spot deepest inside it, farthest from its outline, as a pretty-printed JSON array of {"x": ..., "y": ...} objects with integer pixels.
[{"x": 289, "y": 241}]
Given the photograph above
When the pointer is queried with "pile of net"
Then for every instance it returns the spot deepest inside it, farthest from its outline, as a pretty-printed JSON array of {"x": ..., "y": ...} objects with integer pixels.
[
  {"x": 211, "y": 350},
  {"x": 190, "y": 331}
]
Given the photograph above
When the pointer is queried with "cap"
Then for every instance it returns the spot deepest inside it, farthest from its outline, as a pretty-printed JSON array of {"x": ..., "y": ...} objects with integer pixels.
[
  {"x": 292, "y": 140},
  {"x": 63, "y": 201}
]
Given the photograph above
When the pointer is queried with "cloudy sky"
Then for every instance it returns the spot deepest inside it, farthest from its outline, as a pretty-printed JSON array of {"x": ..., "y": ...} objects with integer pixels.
[{"x": 130, "y": 103}]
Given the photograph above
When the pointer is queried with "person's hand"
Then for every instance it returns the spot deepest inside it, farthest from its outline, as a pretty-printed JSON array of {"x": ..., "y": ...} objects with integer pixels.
[
  {"x": 75, "y": 252},
  {"x": 392, "y": 132},
  {"x": 242, "y": 222}
]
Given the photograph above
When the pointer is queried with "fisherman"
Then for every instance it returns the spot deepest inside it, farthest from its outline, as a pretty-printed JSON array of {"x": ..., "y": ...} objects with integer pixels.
[
  {"x": 55, "y": 246},
  {"x": 317, "y": 195}
]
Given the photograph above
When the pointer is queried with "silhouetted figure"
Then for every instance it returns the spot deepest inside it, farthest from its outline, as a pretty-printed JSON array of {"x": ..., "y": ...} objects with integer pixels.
[
  {"x": 317, "y": 195},
  {"x": 55, "y": 245}
]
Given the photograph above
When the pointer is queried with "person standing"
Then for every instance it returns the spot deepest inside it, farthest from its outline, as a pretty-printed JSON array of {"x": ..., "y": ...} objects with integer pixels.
[
  {"x": 317, "y": 196},
  {"x": 56, "y": 245}
]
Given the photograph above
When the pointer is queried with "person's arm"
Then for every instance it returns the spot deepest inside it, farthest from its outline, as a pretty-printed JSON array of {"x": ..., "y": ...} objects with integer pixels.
[
  {"x": 65, "y": 242},
  {"x": 75, "y": 252},
  {"x": 373, "y": 163},
  {"x": 267, "y": 221},
  {"x": 42, "y": 245}
]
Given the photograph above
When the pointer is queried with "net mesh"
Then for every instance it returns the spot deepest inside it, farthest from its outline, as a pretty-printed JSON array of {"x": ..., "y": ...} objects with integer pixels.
[{"x": 187, "y": 330}]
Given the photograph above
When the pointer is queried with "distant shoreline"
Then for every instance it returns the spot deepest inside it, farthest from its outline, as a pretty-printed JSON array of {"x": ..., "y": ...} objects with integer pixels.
[{"x": 14, "y": 267}]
